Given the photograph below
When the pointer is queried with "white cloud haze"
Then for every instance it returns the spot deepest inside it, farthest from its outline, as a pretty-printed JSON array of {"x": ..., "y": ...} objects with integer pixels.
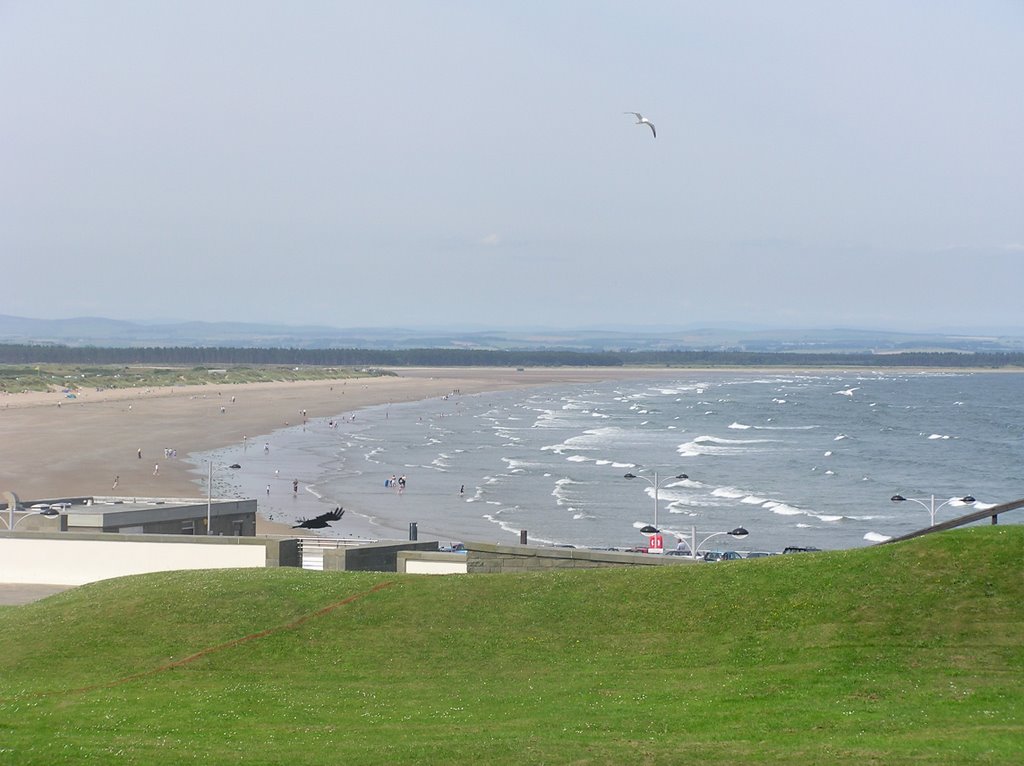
[{"x": 468, "y": 163}]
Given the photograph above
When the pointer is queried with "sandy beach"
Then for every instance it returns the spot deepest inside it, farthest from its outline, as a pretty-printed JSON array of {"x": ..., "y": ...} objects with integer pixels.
[{"x": 51, "y": 446}]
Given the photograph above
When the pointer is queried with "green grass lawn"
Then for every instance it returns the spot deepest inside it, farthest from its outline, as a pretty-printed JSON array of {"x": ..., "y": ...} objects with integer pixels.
[{"x": 909, "y": 653}]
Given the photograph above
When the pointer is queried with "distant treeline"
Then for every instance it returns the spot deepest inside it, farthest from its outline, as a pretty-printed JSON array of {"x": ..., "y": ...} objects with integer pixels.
[{"x": 445, "y": 357}]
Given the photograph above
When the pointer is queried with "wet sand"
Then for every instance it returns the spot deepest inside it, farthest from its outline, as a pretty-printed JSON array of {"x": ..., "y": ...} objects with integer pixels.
[{"x": 52, "y": 447}]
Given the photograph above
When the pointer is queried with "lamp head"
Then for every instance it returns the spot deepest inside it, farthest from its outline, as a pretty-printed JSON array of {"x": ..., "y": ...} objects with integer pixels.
[
  {"x": 629, "y": 476},
  {"x": 739, "y": 532},
  {"x": 968, "y": 499},
  {"x": 649, "y": 530},
  {"x": 898, "y": 498}
]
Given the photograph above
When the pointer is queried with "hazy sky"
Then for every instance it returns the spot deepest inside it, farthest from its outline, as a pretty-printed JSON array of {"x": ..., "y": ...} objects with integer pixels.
[{"x": 468, "y": 164}]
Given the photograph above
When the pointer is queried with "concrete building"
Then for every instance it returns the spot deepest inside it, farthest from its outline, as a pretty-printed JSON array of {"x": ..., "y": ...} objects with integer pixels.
[{"x": 131, "y": 515}]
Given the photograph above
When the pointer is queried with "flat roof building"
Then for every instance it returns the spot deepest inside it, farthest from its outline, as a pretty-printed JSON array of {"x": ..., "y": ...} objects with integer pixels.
[{"x": 132, "y": 515}]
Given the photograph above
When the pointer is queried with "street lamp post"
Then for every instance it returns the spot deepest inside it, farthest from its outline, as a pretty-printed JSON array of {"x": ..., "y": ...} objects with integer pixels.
[
  {"x": 12, "y": 524},
  {"x": 654, "y": 483},
  {"x": 209, "y": 494},
  {"x": 930, "y": 506},
  {"x": 738, "y": 533}
]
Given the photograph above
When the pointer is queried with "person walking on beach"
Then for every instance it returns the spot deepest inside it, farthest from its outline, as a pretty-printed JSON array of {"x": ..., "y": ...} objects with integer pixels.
[
  {"x": 462, "y": 490},
  {"x": 295, "y": 486},
  {"x": 401, "y": 484},
  {"x": 156, "y": 469},
  {"x": 268, "y": 489},
  {"x": 140, "y": 453},
  {"x": 266, "y": 449},
  {"x": 116, "y": 479}
]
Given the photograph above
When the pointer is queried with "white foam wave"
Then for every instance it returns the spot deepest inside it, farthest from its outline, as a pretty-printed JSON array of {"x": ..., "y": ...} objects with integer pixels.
[
  {"x": 730, "y": 492},
  {"x": 714, "y": 445},
  {"x": 782, "y": 509},
  {"x": 682, "y": 505},
  {"x": 517, "y": 465},
  {"x": 876, "y": 537}
]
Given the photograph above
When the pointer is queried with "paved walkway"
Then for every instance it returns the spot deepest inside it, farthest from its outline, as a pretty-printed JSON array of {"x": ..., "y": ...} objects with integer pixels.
[{"x": 12, "y": 594}]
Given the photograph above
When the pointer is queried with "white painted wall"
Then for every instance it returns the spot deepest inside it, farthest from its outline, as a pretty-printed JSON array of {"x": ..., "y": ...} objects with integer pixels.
[
  {"x": 422, "y": 566},
  {"x": 76, "y": 562}
]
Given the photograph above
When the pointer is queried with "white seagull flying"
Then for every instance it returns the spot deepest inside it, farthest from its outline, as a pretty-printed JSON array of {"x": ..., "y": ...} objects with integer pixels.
[{"x": 641, "y": 120}]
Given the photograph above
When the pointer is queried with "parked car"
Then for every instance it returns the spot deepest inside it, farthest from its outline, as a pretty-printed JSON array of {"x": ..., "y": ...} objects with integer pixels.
[
  {"x": 731, "y": 556},
  {"x": 759, "y": 555},
  {"x": 712, "y": 556},
  {"x": 798, "y": 549}
]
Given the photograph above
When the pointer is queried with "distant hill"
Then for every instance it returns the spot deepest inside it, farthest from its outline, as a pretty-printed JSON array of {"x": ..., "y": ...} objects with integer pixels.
[{"x": 98, "y": 331}]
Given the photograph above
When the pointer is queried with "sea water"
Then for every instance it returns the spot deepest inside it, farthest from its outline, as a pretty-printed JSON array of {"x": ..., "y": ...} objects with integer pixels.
[{"x": 801, "y": 459}]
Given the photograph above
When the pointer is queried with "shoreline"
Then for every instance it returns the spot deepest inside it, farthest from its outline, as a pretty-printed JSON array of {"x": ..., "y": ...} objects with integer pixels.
[{"x": 54, "y": 447}]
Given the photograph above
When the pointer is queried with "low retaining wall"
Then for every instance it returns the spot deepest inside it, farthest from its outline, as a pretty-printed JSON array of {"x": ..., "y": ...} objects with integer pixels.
[
  {"x": 488, "y": 558},
  {"x": 376, "y": 557},
  {"x": 76, "y": 559}
]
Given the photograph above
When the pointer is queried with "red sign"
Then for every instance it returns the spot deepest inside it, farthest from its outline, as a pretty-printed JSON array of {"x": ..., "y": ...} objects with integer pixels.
[{"x": 656, "y": 544}]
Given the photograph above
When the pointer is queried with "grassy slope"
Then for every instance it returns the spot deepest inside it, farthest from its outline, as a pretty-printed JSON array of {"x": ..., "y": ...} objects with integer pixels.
[{"x": 911, "y": 653}]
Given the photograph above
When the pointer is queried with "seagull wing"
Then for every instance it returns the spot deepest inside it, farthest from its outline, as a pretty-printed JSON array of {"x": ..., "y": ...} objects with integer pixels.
[{"x": 652, "y": 128}]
